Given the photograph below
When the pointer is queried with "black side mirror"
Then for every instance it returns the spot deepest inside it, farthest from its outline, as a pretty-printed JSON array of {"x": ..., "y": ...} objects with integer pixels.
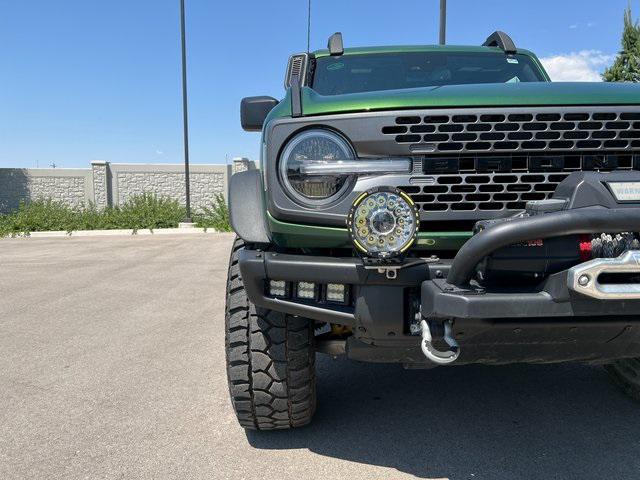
[{"x": 254, "y": 110}]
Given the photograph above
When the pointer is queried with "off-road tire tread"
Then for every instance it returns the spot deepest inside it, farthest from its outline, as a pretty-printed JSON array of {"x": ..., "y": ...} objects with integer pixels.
[{"x": 270, "y": 360}]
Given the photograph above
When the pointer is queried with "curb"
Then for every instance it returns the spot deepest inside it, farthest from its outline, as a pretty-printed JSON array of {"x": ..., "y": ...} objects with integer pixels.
[{"x": 121, "y": 233}]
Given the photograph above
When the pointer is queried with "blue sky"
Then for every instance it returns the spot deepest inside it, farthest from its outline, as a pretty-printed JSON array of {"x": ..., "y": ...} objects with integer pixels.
[{"x": 94, "y": 79}]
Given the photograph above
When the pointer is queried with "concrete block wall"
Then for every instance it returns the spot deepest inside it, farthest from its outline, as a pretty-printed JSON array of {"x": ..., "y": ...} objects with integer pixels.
[
  {"x": 101, "y": 188},
  {"x": 113, "y": 183},
  {"x": 168, "y": 181},
  {"x": 71, "y": 186}
]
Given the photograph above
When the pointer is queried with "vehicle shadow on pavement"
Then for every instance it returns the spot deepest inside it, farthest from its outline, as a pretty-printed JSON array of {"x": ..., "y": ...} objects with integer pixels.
[{"x": 509, "y": 422}]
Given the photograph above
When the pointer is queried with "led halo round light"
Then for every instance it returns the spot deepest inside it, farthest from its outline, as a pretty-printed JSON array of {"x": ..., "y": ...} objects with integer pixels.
[
  {"x": 316, "y": 144},
  {"x": 383, "y": 222}
]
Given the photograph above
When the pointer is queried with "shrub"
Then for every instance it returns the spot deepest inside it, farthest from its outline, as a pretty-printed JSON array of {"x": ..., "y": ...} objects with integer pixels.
[
  {"x": 39, "y": 215},
  {"x": 140, "y": 211},
  {"x": 149, "y": 211},
  {"x": 216, "y": 216}
]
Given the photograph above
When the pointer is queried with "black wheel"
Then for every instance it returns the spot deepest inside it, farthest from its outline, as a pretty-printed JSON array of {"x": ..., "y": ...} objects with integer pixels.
[
  {"x": 626, "y": 374},
  {"x": 270, "y": 360}
]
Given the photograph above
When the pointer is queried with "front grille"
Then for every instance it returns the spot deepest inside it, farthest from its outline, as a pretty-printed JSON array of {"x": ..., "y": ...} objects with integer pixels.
[
  {"x": 470, "y": 164},
  {"x": 489, "y": 186},
  {"x": 573, "y": 130}
]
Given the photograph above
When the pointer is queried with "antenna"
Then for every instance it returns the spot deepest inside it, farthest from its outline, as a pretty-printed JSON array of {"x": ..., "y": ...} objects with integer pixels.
[
  {"x": 443, "y": 22},
  {"x": 309, "y": 27}
]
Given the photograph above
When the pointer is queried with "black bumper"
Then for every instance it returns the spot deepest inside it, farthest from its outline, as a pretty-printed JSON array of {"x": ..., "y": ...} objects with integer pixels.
[{"x": 547, "y": 325}]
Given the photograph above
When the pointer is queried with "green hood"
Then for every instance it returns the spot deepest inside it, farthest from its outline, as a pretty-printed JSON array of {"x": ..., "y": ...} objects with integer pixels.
[{"x": 483, "y": 95}]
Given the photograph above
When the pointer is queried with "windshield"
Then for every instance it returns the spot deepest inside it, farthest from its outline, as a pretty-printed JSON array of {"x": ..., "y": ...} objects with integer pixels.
[{"x": 392, "y": 71}]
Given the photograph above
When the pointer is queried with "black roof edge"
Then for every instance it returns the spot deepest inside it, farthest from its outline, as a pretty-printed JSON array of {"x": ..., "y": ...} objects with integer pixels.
[
  {"x": 335, "y": 45},
  {"x": 501, "y": 40}
]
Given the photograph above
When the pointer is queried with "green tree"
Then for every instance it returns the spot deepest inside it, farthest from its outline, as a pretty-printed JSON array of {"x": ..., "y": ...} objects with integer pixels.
[{"x": 626, "y": 68}]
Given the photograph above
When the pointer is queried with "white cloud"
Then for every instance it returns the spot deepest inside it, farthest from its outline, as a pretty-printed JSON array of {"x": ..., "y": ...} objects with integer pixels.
[
  {"x": 159, "y": 152},
  {"x": 583, "y": 66},
  {"x": 573, "y": 26}
]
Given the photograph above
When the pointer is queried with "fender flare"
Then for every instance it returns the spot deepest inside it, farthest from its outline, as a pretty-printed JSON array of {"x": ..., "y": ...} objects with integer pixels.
[{"x": 247, "y": 209}]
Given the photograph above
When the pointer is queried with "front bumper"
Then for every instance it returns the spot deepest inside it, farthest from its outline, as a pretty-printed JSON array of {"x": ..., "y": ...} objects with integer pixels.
[{"x": 549, "y": 324}]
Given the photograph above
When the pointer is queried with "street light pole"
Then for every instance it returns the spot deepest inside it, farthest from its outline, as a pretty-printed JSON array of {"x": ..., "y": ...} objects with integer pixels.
[
  {"x": 185, "y": 114},
  {"x": 443, "y": 22}
]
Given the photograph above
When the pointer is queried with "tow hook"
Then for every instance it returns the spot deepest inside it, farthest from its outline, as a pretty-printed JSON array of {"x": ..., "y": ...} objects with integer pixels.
[{"x": 436, "y": 356}]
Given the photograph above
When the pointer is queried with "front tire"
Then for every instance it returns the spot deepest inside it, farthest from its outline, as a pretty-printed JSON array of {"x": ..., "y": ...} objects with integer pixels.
[
  {"x": 626, "y": 374},
  {"x": 270, "y": 360}
]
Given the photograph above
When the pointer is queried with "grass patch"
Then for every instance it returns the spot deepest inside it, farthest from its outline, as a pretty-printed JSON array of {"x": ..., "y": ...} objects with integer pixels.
[{"x": 146, "y": 211}]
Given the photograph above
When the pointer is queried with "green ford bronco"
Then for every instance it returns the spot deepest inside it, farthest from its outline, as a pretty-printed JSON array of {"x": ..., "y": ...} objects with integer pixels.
[{"x": 431, "y": 205}]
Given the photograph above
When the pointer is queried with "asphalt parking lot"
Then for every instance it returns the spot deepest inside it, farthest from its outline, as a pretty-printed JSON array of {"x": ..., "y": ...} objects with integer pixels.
[{"x": 112, "y": 366}]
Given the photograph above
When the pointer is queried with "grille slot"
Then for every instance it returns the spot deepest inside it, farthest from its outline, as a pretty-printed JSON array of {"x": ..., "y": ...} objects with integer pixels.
[
  {"x": 476, "y": 198},
  {"x": 581, "y": 130},
  {"x": 478, "y": 194}
]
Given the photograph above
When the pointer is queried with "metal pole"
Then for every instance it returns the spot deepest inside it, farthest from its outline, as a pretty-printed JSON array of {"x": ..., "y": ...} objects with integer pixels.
[
  {"x": 185, "y": 114},
  {"x": 443, "y": 22},
  {"x": 308, "y": 26}
]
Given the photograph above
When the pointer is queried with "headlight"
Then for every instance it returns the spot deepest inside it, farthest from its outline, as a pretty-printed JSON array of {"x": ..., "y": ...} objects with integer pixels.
[
  {"x": 313, "y": 146},
  {"x": 383, "y": 222}
]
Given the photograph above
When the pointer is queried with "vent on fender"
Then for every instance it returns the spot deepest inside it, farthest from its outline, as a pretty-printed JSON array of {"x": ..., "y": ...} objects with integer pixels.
[{"x": 297, "y": 66}]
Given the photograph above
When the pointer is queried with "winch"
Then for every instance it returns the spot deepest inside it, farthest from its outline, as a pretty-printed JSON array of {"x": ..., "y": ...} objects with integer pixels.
[{"x": 534, "y": 259}]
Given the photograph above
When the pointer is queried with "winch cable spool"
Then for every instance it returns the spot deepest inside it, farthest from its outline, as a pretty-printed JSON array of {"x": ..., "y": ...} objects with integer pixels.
[{"x": 607, "y": 245}]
